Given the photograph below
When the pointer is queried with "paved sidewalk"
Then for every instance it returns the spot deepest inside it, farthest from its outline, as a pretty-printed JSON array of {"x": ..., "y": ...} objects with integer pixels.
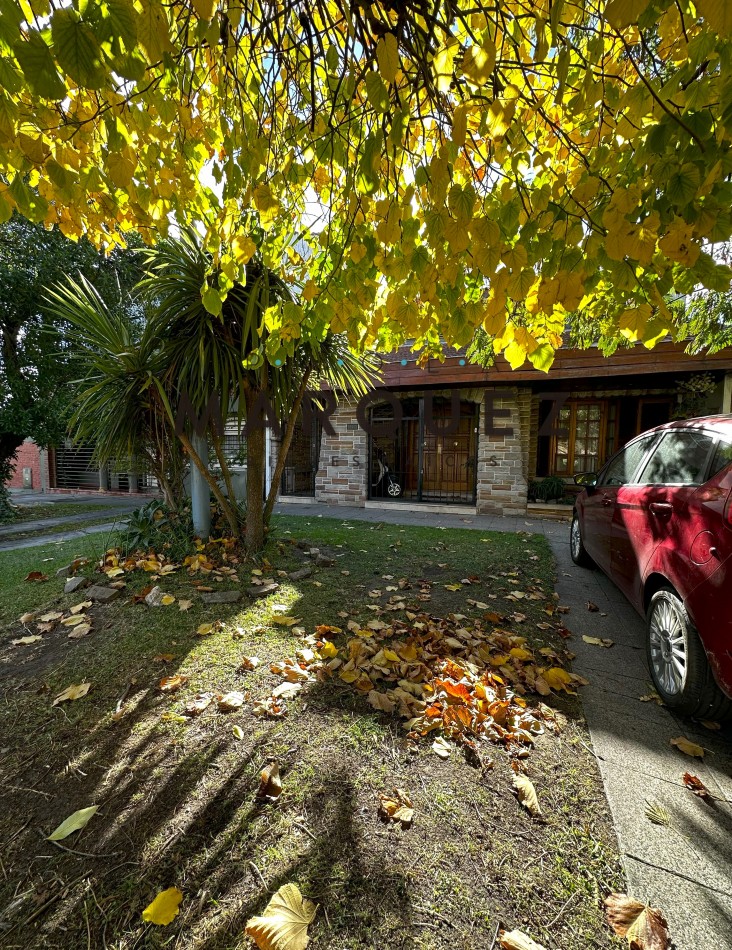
[
  {"x": 685, "y": 869},
  {"x": 58, "y": 536}
]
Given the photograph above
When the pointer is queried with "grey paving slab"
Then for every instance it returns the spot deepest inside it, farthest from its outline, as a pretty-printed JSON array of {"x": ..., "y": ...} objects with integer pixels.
[{"x": 59, "y": 536}]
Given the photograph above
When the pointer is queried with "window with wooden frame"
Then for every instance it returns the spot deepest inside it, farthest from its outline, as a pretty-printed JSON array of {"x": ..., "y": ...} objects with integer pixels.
[{"x": 583, "y": 447}]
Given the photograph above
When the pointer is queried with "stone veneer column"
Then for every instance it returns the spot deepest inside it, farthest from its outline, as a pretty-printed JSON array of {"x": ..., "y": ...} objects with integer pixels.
[
  {"x": 503, "y": 461},
  {"x": 343, "y": 468}
]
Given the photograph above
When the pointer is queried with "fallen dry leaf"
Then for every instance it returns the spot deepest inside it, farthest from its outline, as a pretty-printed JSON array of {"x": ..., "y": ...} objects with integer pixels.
[
  {"x": 164, "y": 909},
  {"x": 185, "y": 604},
  {"x": 231, "y": 701},
  {"x": 592, "y": 607},
  {"x": 249, "y": 663},
  {"x": 599, "y": 641},
  {"x": 169, "y": 684},
  {"x": 73, "y": 620},
  {"x": 73, "y": 823},
  {"x": 396, "y": 807},
  {"x": 198, "y": 704},
  {"x": 27, "y": 618},
  {"x": 79, "y": 631},
  {"x": 644, "y": 927},
  {"x": 695, "y": 785},
  {"x": 23, "y": 640},
  {"x": 238, "y": 732},
  {"x": 442, "y": 748},
  {"x": 80, "y": 608},
  {"x": 205, "y": 629},
  {"x": 270, "y": 784},
  {"x": 286, "y": 690},
  {"x": 526, "y": 794},
  {"x": 71, "y": 693},
  {"x": 284, "y": 923},
  {"x": 167, "y": 599},
  {"x": 163, "y": 657},
  {"x": 517, "y": 940},
  {"x": 38, "y": 576},
  {"x": 688, "y": 747}
]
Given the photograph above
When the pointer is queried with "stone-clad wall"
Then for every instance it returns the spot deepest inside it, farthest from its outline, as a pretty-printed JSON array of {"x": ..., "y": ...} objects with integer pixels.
[
  {"x": 503, "y": 461},
  {"x": 341, "y": 476}
]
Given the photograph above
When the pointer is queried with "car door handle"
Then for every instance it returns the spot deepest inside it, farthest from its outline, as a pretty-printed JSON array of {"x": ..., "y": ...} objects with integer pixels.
[
  {"x": 661, "y": 509},
  {"x": 607, "y": 501}
]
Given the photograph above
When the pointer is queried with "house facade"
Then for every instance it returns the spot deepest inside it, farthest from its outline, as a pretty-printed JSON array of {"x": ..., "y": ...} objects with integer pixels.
[{"x": 453, "y": 434}]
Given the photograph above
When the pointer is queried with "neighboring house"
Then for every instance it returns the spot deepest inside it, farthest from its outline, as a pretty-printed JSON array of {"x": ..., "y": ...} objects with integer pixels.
[
  {"x": 492, "y": 430},
  {"x": 71, "y": 468}
]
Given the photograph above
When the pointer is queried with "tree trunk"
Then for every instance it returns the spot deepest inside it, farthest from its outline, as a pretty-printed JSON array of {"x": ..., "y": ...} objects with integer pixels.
[
  {"x": 256, "y": 451},
  {"x": 284, "y": 448},
  {"x": 229, "y": 513}
]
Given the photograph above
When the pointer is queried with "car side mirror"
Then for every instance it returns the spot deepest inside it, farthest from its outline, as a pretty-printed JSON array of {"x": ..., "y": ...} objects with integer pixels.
[{"x": 586, "y": 480}]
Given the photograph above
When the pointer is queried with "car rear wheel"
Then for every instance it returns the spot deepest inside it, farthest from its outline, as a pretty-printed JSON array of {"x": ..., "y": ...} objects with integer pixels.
[
  {"x": 576, "y": 545},
  {"x": 677, "y": 661}
]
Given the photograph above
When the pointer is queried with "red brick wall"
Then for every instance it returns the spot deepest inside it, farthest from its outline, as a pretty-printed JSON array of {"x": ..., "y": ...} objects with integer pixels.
[{"x": 27, "y": 456}]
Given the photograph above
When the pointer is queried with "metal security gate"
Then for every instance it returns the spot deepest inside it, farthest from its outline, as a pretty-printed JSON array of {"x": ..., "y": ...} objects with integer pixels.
[
  {"x": 303, "y": 459},
  {"x": 76, "y": 469},
  {"x": 429, "y": 456}
]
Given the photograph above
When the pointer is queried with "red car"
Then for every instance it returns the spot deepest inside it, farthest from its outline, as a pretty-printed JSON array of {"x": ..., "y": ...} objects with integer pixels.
[{"x": 657, "y": 519}]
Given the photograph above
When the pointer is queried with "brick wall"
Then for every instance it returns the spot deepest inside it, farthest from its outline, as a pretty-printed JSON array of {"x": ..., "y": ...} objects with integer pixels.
[
  {"x": 503, "y": 461},
  {"x": 341, "y": 477},
  {"x": 27, "y": 456}
]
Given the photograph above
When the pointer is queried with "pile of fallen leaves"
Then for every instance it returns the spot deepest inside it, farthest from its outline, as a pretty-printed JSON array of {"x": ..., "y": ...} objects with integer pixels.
[
  {"x": 461, "y": 677},
  {"x": 216, "y": 557}
]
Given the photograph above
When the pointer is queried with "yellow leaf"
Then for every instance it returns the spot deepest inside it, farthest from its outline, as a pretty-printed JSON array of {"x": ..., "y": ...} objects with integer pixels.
[
  {"x": 328, "y": 650},
  {"x": 690, "y": 748},
  {"x": 557, "y": 678},
  {"x": 621, "y": 13},
  {"x": 204, "y": 629},
  {"x": 167, "y": 599},
  {"x": 527, "y": 794},
  {"x": 479, "y": 62},
  {"x": 114, "y": 572},
  {"x": 284, "y": 923},
  {"x": 71, "y": 693},
  {"x": 633, "y": 322},
  {"x": 243, "y": 249},
  {"x": 387, "y": 54},
  {"x": 285, "y": 621},
  {"x": 164, "y": 908}
]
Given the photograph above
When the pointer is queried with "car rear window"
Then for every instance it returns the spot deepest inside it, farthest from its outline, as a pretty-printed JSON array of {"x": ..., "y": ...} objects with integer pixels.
[
  {"x": 680, "y": 458},
  {"x": 721, "y": 458}
]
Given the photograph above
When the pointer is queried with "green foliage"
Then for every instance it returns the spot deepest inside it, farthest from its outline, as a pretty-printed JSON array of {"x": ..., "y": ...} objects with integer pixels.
[
  {"x": 693, "y": 393},
  {"x": 411, "y": 172},
  {"x": 550, "y": 488}
]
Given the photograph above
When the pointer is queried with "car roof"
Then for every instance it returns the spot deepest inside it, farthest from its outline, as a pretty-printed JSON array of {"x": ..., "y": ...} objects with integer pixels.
[{"x": 718, "y": 423}]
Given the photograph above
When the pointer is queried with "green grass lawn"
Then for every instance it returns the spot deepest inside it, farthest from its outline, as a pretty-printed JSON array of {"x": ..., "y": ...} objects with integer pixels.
[{"x": 177, "y": 794}]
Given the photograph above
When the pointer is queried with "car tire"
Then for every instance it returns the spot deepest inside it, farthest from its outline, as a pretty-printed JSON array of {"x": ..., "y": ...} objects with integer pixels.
[
  {"x": 576, "y": 545},
  {"x": 678, "y": 663}
]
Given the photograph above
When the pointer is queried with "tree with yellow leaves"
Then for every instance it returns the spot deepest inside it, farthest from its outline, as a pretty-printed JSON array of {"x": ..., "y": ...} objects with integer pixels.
[{"x": 417, "y": 170}]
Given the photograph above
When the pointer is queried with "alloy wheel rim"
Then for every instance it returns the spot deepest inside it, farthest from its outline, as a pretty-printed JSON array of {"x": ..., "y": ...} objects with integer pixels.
[
  {"x": 668, "y": 648},
  {"x": 575, "y": 538}
]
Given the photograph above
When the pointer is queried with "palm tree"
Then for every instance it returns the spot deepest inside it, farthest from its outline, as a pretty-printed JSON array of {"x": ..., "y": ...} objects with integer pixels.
[
  {"x": 119, "y": 408},
  {"x": 224, "y": 355}
]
